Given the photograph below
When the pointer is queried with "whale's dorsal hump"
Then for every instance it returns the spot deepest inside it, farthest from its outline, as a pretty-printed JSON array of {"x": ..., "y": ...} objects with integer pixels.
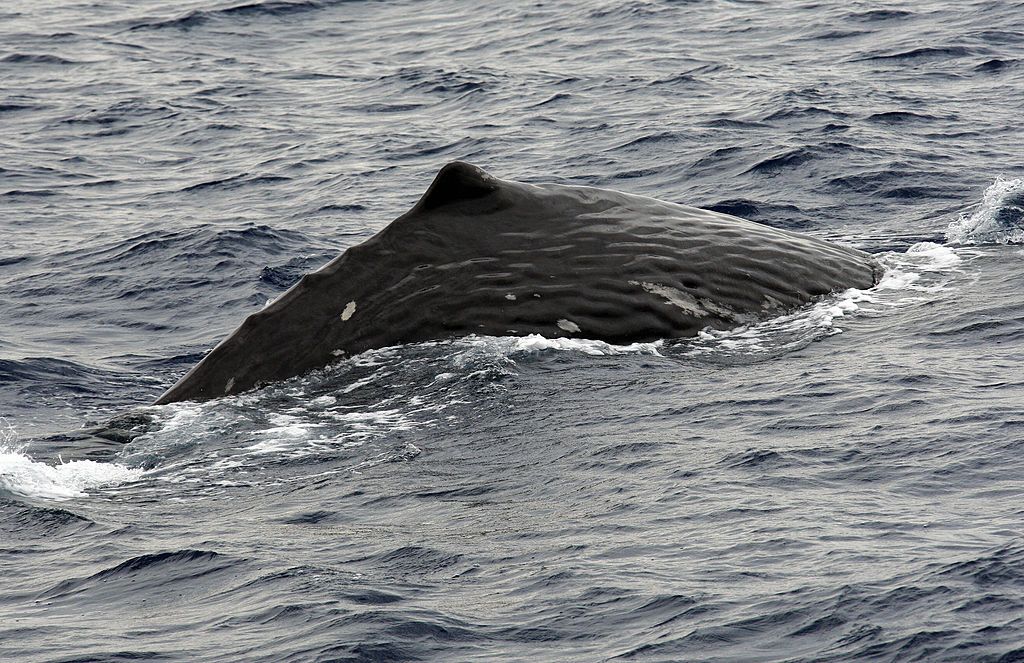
[{"x": 457, "y": 181}]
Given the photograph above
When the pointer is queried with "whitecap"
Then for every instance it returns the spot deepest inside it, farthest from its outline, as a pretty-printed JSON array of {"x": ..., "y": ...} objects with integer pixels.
[
  {"x": 999, "y": 219},
  {"x": 24, "y": 477}
]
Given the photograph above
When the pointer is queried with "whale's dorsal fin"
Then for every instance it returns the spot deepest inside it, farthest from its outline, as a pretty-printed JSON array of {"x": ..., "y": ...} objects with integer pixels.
[{"x": 455, "y": 182}]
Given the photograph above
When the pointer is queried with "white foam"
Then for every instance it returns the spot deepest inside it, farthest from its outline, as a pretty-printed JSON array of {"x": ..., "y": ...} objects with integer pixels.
[
  {"x": 782, "y": 333},
  {"x": 985, "y": 225},
  {"x": 273, "y": 445},
  {"x": 511, "y": 345},
  {"x": 22, "y": 476},
  {"x": 185, "y": 444},
  {"x": 923, "y": 270},
  {"x": 934, "y": 257},
  {"x": 359, "y": 383}
]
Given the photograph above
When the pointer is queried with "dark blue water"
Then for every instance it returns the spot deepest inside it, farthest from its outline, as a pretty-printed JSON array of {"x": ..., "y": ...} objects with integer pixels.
[{"x": 780, "y": 492}]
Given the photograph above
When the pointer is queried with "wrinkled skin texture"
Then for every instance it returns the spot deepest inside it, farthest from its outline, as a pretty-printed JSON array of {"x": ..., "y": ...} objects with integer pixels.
[{"x": 480, "y": 255}]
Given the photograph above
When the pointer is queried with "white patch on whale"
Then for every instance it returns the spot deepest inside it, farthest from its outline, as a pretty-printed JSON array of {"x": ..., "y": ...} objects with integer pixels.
[
  {"x": 681, "y": 300},
  {"x": 350, "y": 308},
  {"x": 227, "y": 387},
  {"x": 569, "y": 326},
  {"x": 510, "y": 297},
  {"x": 699, "y": 307}
]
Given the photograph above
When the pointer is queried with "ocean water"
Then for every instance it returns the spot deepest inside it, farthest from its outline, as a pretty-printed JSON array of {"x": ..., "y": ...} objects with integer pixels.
[{"x": 841, "y": 483}]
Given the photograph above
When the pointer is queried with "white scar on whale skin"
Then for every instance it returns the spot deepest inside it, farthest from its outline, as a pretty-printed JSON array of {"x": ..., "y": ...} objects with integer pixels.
[
  {"x": 510, "y": 297},
  {"x": 569, "y": 326},
  {"x": 350, "y": 308},
  {"x": 227, "y": 387},
  {"x": 678, "y": 298},
  {"x": 699, "y": 307}
]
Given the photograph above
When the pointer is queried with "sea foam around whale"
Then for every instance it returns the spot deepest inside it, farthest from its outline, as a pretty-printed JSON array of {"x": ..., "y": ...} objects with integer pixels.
[
  {"x": 22, "y": 476},
  {"x": 319, "y": 414}
]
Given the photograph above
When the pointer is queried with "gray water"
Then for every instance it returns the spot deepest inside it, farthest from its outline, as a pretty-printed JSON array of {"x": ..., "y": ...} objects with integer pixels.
[{"x": 841, "y": 483}]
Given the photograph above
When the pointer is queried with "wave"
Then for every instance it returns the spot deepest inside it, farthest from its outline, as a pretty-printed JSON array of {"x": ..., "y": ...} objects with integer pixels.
[
  {"x": 922, "y": 270},
  {"x": 365, "y": 411},
  {"x": 873, "y": 15},
  {"x": 41, "y": 378},
  {"x": 900, "y": 117},
  {"x": 235, "y": 181},
  {"x": 27, "y": 521},
  {"x": 8, "y": 107},
  {"x": 786, "y": 160},
  {"x": 125, "y": 110},
  {"x": 21, "y": 476},
  {"x": 165, "y": 251},
  {"x": 925, "y": 53},
  {"x": 198, "y": 17},
  {"x": 352, "y": 414},
  {"x": 35, "y": 58},
  {"x": 803, "y": 112},
  {"x": 998, "y": 219},
  {"x": 996, "y": 65},
  {"x": 42, "y": 369},
  {"x": 511, "y": 346},
  {"x": 890, "y": 182},
  {"x": 159, "y": 572}
]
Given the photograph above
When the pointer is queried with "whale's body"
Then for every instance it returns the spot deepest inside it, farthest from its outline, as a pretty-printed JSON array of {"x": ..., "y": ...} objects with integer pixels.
[{"x": 480, "y": 255}]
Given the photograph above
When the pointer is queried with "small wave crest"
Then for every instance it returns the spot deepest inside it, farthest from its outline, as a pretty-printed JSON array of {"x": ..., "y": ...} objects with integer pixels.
[
  {"x": 360, "y": 412},
  {"x": 23, "y": 477},
  {"x": 921, "y": 270},
  {"x": 510, "y": 346},
  {"x": 999, "y": 219},
  {"x": 778, "y": 335},
  {"x": 244, "y": 10}
]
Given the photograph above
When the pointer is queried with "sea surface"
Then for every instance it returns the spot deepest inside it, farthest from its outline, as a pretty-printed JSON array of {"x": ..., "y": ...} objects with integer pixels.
[{"x": 844, "y": 483}]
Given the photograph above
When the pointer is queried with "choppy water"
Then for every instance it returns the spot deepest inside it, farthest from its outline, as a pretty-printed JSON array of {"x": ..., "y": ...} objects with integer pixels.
[{"x": 783, "y": 492}]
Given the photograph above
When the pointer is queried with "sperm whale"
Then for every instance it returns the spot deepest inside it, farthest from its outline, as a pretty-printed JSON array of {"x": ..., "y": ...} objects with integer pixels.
[{"x": 482, "y": 255}]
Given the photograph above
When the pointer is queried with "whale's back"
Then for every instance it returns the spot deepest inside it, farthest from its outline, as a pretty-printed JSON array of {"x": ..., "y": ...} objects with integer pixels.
[{"x": 480, "y": 255}]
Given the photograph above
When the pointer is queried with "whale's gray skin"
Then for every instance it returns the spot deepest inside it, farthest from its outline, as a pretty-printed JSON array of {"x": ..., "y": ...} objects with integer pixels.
[{"x": 481, "y": 255}]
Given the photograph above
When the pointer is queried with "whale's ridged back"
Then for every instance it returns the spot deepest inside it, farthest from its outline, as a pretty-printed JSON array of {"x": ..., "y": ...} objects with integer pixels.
[{"x": 487, "y": 256}]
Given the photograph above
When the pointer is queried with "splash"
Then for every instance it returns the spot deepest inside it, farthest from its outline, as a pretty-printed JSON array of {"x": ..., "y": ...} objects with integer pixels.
[
  {"x": 781, "y": 334},
  {"x": 346, "y": 417},
  {"x": 24, "y": 477},
  {"x": 510, "y": 346},
  {"x": 923, "y": 270},
  {"x": 999, "y": 219}
]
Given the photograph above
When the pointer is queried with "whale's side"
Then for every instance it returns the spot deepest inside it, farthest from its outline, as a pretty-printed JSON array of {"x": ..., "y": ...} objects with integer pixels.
[{"x": 480, "y": 255}]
